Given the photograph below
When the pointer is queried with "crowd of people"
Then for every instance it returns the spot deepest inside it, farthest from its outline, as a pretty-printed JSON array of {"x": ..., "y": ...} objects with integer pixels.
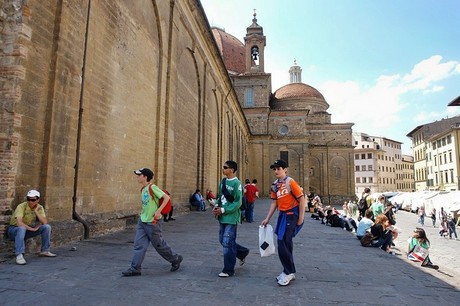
[
  {"x": 372, "y": 221},
  {"x": 374, "y": 224},
  {"x": 447, "y": 225}
]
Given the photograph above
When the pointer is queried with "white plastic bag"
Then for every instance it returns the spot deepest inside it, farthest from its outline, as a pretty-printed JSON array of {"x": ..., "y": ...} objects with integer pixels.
[{"x": 266, "y": 241}]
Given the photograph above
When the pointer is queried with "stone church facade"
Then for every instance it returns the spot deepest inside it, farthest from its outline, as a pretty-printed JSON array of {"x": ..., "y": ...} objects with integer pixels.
[
  {"x": 92, "y": 90},
  {"x": 291, "y": 123}
]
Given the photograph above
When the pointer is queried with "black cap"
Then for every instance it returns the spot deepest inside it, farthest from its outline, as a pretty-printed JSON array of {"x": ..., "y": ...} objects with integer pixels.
[
  {"x": 279, "y": 163},
  {"x": 144, "y": 171}
]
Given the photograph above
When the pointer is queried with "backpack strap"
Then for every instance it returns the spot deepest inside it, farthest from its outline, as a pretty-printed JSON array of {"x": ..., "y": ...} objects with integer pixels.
[{"x": 149, "y": 187}]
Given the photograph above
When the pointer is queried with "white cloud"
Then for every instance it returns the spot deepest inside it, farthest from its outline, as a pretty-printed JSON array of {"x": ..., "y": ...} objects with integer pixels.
[{"x": 381, "y": 105}]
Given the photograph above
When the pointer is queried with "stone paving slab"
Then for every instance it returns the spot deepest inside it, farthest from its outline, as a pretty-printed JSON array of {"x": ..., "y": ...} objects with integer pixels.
[{"x": 332, "y": 269}]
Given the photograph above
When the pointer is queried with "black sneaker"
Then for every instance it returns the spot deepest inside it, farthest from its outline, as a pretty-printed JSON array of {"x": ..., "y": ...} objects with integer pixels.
[
  {"x": 176, "y": 265},
  {"x": 243, "y": 260},
  {"x": 131, "y": 272}
]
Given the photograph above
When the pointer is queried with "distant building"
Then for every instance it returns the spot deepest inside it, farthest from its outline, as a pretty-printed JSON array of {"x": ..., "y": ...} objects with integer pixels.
[
  {"x": 376, "y": 161},
  {"x": 424, "y": 164},
  {"x": 405, "y": 175},
  {"x": 442, "y": 164}
]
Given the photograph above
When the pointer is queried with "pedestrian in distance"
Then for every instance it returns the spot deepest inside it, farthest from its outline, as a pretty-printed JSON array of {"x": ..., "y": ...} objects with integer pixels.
[
  {"x": 252, "y": 193},
  {"x": 421, "y": 215},
  {"x": 433, "y": 216},
  {"x": 148, "y": 229},
  {"x": 29, "y": 220},
  {"x": 227, "y": 211},
  {"x": 288, "y": 198}
]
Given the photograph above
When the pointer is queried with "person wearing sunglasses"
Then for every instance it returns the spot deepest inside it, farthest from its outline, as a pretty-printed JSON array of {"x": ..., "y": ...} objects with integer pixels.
[
  {"x": 29, "y": 220},
  {"x": 227, "y": 211}
]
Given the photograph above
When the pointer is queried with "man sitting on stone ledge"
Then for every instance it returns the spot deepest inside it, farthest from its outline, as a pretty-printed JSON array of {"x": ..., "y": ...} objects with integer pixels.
[{"x": 29, "y": 220}]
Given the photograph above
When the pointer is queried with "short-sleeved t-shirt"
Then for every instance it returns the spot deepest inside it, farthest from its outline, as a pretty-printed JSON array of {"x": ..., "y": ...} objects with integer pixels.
[
  {"x": 26, "y": 213},
  {"x": 149, "y": 205},
  {"x": 251, "y": 191},
  {"x": 286, "y": 200}
]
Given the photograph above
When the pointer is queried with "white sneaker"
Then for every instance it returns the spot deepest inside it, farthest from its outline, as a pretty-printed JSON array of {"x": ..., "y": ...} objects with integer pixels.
[
  {"x": 280, "y": 276},
  {"x": 20, "y": 260},
  {"x": 223, "y": 274},
  {"x": 47, "y": 254},
  {"x": 284, "y": 281}
]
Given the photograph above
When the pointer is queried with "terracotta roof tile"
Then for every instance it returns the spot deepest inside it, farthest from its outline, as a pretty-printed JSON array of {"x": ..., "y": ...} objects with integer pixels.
[{"x": 231, "y": 49}]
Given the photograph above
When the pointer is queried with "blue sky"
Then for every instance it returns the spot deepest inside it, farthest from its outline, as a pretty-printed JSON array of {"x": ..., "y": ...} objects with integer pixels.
[{"x": 387, "y": 65}]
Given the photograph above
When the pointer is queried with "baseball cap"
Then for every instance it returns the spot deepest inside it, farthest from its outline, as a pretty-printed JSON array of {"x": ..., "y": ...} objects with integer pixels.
[
  {"x": 144, "y": 171},
  {"x": 33, "y": 193},
  {"x": 279, "y": 163}
]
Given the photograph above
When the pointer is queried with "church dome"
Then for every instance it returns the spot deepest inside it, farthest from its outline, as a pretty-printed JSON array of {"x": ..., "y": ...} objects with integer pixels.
[
  {"x": 297, "y": 90},
  {"x": 232, "y": 51},
  {"x": 299, "y": 96}
]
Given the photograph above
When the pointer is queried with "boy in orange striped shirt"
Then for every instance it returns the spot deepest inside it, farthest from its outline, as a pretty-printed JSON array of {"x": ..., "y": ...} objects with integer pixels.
[{"x": 288, "y": 197}]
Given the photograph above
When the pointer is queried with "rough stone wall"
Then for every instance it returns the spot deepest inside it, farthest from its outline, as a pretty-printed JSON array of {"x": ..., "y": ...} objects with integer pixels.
[
  {"x": 14, "y": 34},
  {"x": 96, "y": 89}
]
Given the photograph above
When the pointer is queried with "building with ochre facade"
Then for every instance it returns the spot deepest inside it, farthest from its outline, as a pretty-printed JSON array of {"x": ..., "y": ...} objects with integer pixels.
[
  {"x": 291, "y": 123},
  {"x": 92, "y": 90}
]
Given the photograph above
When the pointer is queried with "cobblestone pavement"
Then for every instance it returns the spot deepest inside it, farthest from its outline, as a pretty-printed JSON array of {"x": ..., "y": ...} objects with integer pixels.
[{"x": 332, "y": 269}]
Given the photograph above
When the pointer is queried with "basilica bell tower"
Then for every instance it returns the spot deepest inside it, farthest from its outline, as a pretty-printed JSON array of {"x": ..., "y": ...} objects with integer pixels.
[
  {"x": 255, "y": 43},
  {"x": 253, "y": 86}
]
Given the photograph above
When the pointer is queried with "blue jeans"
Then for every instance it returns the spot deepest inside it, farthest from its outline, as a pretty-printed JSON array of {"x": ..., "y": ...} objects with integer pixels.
[
  {"x": 200, "y": 205},
  {"x": 150, "y": 233},
  {"x": 232, "y": 250},
  {"x": 19, "y": 234},
  {"x": 249, "y": 213},
  {"x": 421, "y": 219},
  {"x": 385, "y": 241},
  {"x": 452, "y": 229}
]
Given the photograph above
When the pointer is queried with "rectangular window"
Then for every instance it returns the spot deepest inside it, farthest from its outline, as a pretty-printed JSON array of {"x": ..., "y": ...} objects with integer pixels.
[
  {"x": 358, "y": 180},
  {"x": 356, "y": 156},
  {"x": 364, "y": 180},
  {"x": 284, "y": 155},
  {"x": 249, "y": 97},
  {"x": 371, "y": 180},
  {"x": 363, "y": 156},
  {"x": 338, "y": 173},
  {"x": 356, "y": 168},
  {"x": 369, "y": 155},
  {"x": 369, "y": 167},
  {"x": 363, "y": 167}
]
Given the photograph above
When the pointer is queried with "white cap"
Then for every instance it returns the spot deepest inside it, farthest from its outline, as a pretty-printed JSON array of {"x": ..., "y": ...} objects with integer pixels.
[{"x": 33, "y": 193}]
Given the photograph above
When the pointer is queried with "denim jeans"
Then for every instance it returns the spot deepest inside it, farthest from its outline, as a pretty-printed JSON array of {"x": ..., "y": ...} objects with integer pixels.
[
  {"x": 150, "y": 233},
  {"x": 452, "y": 229},
  {"x": 249, "y": 213},
  {"x": 385, "y": 241},
  {"x": 200, "y": 205},
  {"x": 19, "y": 234},
  {"x": 232, "y": 250}
]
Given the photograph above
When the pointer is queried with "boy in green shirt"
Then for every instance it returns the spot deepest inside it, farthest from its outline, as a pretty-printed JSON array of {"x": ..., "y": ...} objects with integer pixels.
[
  {"x": 148, "y": 229},
  {"x": 227, "y": 210}
]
